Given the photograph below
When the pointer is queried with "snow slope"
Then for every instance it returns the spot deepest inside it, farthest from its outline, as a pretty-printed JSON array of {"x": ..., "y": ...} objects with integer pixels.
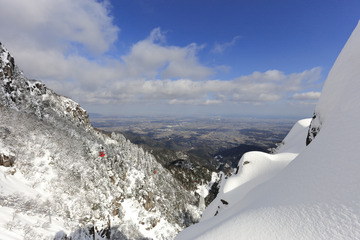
[
  {"x": 257, "y": 167},
  {"x": 317, "y": 195}
]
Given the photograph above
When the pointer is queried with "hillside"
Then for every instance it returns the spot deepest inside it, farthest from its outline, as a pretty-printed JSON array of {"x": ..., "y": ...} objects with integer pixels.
[
  {"x": 308, "y": 189},
  {"x": 62, "y": 179}
]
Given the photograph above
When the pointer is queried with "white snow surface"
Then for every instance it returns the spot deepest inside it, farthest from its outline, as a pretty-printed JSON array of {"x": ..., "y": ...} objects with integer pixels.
[
  {"x": 317, "y": 194},
  {"x": 256, "y": 168},
  {"x": 18, "y": 221}
]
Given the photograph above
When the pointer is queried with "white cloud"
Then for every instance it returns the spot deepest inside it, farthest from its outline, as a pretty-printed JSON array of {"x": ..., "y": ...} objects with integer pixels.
[
  {"x": 152, "y": 60},
  {"x": 257, "y": 88},
  {"x": 43, "y": 24},
  {"x": 221, "y": 47},
  {"x": 223, "y": 68},
  {"x": 307, "y": 96},
  {"x": 157, "y": 36},
  {"x": 51, "y": 40}
]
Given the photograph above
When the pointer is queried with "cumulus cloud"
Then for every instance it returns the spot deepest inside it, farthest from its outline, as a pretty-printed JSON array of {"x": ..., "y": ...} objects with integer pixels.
[
  {"x": 53, "y": 40},
  {"x": 57, "y": 24},
  {"x": 153, "y": 60}
]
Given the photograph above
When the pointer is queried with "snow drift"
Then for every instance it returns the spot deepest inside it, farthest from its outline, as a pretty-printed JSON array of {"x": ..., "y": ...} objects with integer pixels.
[{"x": 300, "y": 192}]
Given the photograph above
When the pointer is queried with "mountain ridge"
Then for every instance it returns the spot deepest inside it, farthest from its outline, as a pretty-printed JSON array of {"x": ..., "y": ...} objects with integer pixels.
[{"x": 57, "y": 172}]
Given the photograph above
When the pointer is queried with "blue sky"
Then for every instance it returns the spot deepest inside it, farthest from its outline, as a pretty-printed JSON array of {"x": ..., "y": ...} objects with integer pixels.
[
  {"x": 291, "y": 35},
  {"x": 169, "y": 57}
]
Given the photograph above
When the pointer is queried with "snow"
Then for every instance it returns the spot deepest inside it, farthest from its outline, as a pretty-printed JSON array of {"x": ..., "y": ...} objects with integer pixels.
[
  {"x": 18, "y": 221},
  {"x": 257, "y": 167},
  {"x": 312, "y": 194},
  {"x": 298, "y": 192},
  {"x": 57, "y": 169}
]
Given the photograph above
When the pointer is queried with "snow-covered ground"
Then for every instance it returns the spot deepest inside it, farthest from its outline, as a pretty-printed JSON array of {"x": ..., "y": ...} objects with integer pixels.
[
  {"x": 258, "y": 167},
  {"x": 300, "y": 192},
  {"x": 23, "y": 211}
]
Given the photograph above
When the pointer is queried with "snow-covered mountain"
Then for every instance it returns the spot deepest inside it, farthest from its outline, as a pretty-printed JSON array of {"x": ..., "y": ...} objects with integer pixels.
[
  {"x": 60, "y": 177},
  {"x": 309, "y": 188}
]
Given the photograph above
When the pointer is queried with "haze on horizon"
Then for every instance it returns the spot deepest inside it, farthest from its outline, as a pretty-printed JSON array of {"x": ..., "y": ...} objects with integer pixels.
[{"x": 245, "y": 58}]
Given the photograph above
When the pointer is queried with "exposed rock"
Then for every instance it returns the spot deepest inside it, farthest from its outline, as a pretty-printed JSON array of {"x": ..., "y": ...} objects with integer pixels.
[
  {"x": 21, "y": 93},
  {"x": 155, "y": 223},
  {"x": 6, "y": 161},
  {"x": 7, "y": 63},
  {"x": 314, "y": 129},
  {"x": 224, "y": 202},
  {"x": 115, "y": 212},
  {"x": 149, "y": 202}
]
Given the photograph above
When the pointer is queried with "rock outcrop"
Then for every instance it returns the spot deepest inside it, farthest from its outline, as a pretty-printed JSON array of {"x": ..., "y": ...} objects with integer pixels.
[
  {"x": 21, "y": 93},
  {"x": 6, "y": 161}
]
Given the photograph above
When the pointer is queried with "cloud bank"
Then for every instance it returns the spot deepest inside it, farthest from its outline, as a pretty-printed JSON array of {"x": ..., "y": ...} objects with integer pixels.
[{"x": 67, "y": 43}]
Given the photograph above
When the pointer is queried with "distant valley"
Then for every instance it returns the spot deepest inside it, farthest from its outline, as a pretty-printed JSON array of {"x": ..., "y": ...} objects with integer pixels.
[{"x": 215, "y": 142}]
